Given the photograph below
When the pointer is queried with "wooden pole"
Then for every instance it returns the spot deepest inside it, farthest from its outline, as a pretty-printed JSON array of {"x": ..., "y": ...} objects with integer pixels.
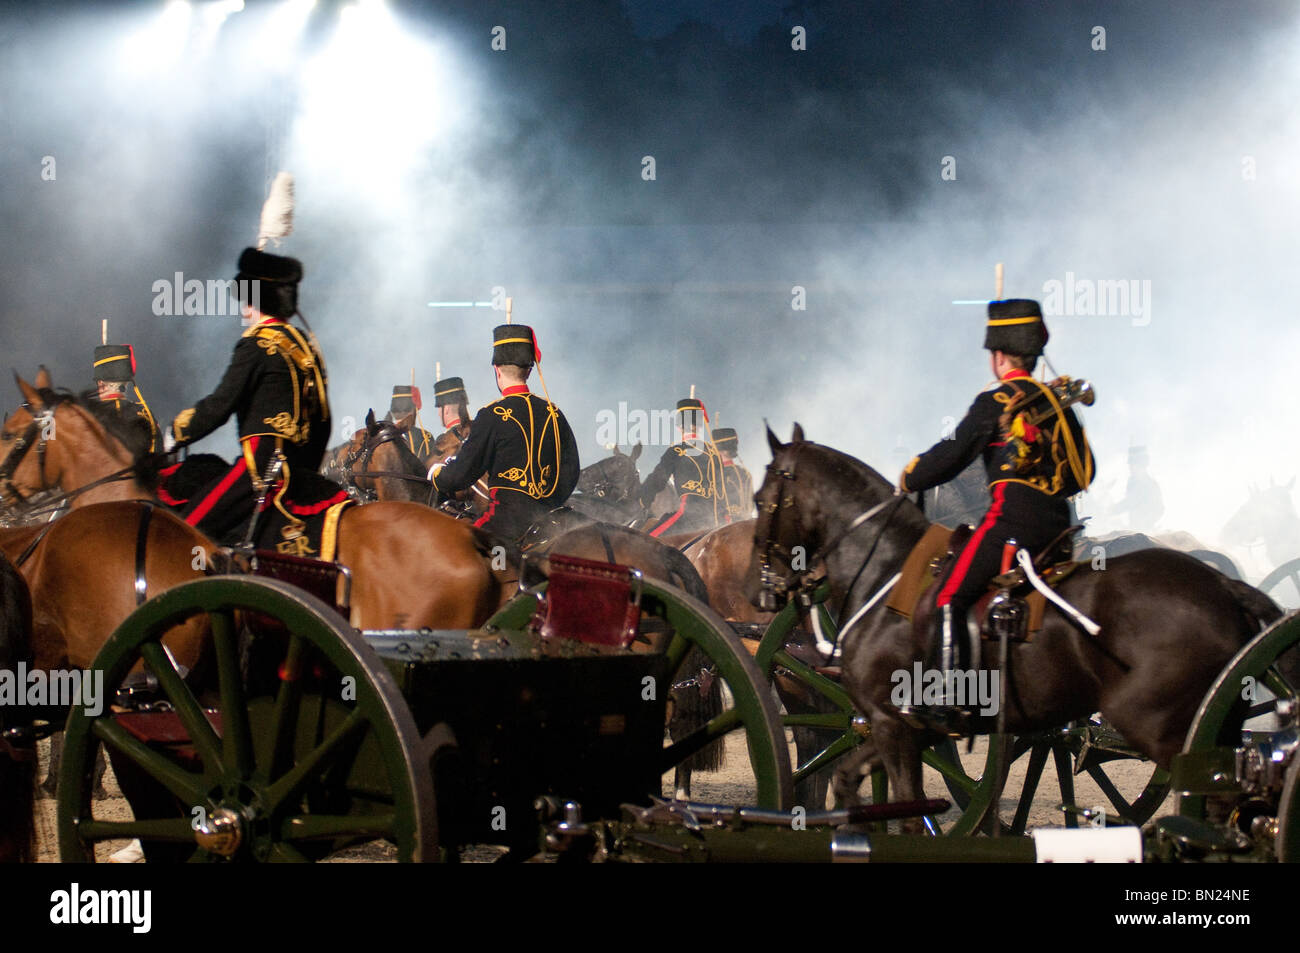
[
  {"x": 997, "y": 280},
  {"x": 437, "y": 371},
  {"x": 103, "y": 331},
  {"x": 510, "y": 303}
]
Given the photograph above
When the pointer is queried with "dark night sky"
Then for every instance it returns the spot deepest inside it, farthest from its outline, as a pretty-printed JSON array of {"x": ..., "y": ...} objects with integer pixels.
[{"x": 438, "y": 168}]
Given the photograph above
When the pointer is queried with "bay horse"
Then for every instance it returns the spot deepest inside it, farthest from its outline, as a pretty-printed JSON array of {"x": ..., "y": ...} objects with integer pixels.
[
  {"x": 1168, "y": 622},
  {"x": 411, "y": 567}
]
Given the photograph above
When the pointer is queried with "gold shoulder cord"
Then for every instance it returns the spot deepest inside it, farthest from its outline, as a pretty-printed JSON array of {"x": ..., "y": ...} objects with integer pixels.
[
  {"x": 553, "y": 417},
  {"x": 153, "y": 424},
  {"x": 298, "y": 355},
  {"x": 1081, "y": 468},
  {"x": 715, "y": 473}
]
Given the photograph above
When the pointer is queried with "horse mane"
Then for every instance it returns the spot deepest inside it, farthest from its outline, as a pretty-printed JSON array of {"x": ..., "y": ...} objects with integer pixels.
[
  {"x": 131, "y": 431},
  {"x": 843, "y": 466}
]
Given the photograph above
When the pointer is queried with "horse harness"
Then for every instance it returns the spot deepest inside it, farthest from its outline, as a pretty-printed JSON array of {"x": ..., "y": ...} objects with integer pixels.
[{"x": 387, "y": 433}]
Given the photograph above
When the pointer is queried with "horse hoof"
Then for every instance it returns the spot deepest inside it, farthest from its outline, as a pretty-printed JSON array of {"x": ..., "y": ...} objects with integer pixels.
[{"x": 682, "y": 794}]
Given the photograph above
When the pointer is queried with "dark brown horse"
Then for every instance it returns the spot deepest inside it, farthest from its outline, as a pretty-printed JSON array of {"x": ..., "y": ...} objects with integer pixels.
[
  {"x": 411, "y": 567},
  {"x": 1169, "y": 623}
]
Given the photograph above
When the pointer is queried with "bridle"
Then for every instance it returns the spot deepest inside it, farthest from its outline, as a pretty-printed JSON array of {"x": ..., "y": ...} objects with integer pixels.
[
  {"x": 9, "y": 491},
  {"x": 776, "y": 587},
  {"x": 387, "y": 433},
  {"x": 605, "y": 486}
]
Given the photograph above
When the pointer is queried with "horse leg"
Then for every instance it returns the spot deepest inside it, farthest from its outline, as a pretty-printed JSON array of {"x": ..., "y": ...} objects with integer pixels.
[
  {"x": 849, "y": 771},
  {"x": 900, "y": 755}
]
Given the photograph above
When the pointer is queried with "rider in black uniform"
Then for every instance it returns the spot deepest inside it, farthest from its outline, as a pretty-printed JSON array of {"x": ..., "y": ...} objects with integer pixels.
[
  {"x": 1031, "y": 473},
  {"x": 520, "y": 442},
  {"x": 736, "y": 479},
  {"x": 116, "y": 387},
  {"x": 695, "y": 468},
  {"x": 275, "y": 386}
]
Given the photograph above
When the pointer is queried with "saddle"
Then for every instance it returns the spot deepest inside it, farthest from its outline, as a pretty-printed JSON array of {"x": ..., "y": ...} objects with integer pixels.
[
  {"x": 301, "y": 522},
  {"x": 927, "y": 565}
]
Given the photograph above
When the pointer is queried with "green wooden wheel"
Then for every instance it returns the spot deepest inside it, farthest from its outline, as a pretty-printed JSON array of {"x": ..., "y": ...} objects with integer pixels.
[
  {"x": 1096, "y": 743},
  {"x": 298, "y": 741},
  {"x": 753, "y": 709},
  {"x": 1247, "y": 688},
  {"x": 1283, "y": 584}
]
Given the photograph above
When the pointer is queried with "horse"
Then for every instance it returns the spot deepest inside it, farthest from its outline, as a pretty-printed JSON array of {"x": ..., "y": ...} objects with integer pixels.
[
  {"x": 411, "y": 567},
  {"x": 1268, "y": 518},
  {"x": 1168, "y": 623},
  {"x": 607, "y": 489},
  {"x": 17, "y": 764}
]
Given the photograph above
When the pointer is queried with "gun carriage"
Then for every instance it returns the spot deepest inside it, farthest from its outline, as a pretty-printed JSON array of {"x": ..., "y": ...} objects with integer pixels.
[{"x": 545, "y": 729}]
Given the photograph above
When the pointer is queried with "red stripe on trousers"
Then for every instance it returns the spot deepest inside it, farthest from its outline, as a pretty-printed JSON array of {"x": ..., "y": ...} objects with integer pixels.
[
  {"x": 221, "y": 489},
  {"x": 671, "y": 520},
  {"x": 968, "y": 554},
  {"x": 492, "y": 508}
]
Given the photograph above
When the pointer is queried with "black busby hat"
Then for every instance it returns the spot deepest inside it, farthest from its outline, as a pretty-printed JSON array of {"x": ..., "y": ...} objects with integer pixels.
[
  {"x": 277, "y": 277},
  {"x": 725, "y": 439},
  {"x": 406, "y": 400},
  {"x": 692, "y": 403},
  {"x": 114, "y": 362},
  {"x": 515, "y": 344},
  {"x": 1016, "y": 327},
  {"x": 449, "y": 392}
]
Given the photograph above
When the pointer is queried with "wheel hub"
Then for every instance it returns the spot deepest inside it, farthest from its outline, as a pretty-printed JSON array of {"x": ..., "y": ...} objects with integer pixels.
[{"x": 221, "y": 833}]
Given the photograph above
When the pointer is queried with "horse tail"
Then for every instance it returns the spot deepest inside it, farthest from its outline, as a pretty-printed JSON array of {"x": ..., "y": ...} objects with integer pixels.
[
  {"x": 699, "y": 700},
  {"x": 17, "y": 761},
  {"x": 1260, "y": 610}
]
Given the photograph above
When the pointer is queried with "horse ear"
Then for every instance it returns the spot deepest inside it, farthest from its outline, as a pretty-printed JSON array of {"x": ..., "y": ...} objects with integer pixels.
[
  {"x": 772, "y": 440},
  {"x": 30, "y": 393},
  {"x": 617, "y": 451},
  {"x": 797, "y": 436},
  {"x": 43, "y": 381},
  {"x": 370, "y": 419},
  {"x": 636, "y": 451}
]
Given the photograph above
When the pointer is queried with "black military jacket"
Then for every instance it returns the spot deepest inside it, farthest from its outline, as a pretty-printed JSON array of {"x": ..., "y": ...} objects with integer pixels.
[
  {"x": 275, "y": 386},
  {"x": 520, "y": 448},
  {"x": 981, "y": 433},
  {"x": 127, "y": 408},
  {"x": 739, "y": 486},
  {"x": 695, "y": 471}
]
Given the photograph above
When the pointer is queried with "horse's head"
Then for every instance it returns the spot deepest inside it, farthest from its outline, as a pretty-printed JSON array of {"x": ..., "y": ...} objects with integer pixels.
[
  {"x": 780, "y": 532},
  {"x": 1267, "y": 512},
  {"x": 25, "y": 441},
  {"x": 813, "y": 499},
  {"x": 614, "y": 479},
  {"x": 379, "y": 453}
]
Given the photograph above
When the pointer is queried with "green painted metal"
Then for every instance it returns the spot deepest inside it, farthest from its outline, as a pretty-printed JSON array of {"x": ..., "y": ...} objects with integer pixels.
[
  {"x": 310, "y": 765},
  {"x": 1218, "y": 720},
  {"x": 1288, "y": 817},
  {"x": 754, "y": 702}
]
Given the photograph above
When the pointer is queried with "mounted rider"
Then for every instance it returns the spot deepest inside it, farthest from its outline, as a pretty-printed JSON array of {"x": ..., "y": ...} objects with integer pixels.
[
  {"x": 1032, "y": 471},
  {"x": 276, "y": 387},
  {"x": 404, "y": 414},
  {"x": 736, "y": 479},
  {"x": 520, "y": 441},
  {"x": 115, "y": 385},
  {"x": 452, "y": 401},
  {"x": 695, "y": 468}
]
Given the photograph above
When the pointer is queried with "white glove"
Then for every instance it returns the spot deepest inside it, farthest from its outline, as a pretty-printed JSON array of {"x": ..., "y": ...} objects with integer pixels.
[{"x": 169, "y": 442}]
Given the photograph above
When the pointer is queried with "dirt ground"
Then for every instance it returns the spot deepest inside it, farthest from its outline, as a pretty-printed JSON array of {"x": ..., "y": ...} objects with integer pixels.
[{"x": 732, "y": 785}]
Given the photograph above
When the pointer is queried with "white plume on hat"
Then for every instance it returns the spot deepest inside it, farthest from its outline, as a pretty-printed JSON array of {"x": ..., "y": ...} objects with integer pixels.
[{"x": 277, "y": 212}]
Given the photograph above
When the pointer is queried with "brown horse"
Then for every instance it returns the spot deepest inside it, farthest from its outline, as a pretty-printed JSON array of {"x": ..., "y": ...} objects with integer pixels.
[
  {"x": 411, "y": 566},
  {"x": 1168, "y": 623}
]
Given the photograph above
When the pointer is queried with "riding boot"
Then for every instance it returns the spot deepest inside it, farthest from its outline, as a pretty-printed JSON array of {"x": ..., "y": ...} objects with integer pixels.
[{"x": 949, "y": 651}]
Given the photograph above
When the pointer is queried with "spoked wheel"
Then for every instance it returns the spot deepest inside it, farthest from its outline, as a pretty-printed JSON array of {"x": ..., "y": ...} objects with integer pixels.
[
  {"x": 1283, "y": 584},
  {"x": 1094, "y": 743},
  {"x": 753, "y": 710},
  {"x": 1288, "y": 817},
  {"x": 1242, "y": 706},
  {"x": 298, "y": 745}
]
